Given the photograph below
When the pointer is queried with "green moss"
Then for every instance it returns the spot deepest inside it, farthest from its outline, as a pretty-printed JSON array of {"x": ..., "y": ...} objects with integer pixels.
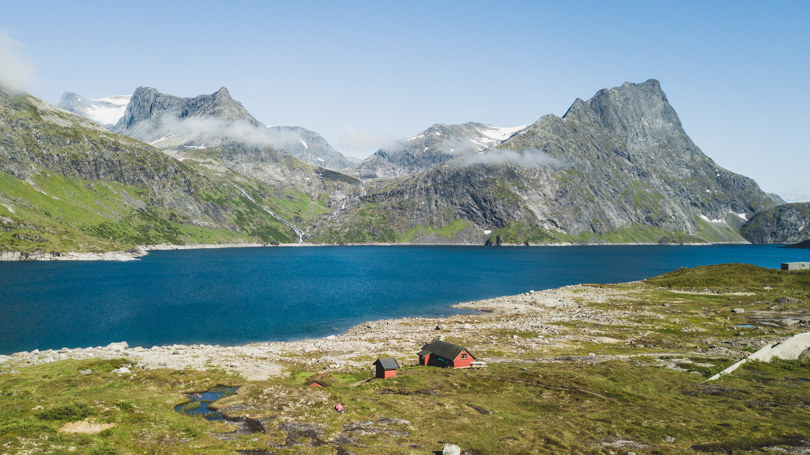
[
  {"x": 449, "y": 231},
  {"x": 733, "y": 277},
  {"x": 67, "y": 412}
]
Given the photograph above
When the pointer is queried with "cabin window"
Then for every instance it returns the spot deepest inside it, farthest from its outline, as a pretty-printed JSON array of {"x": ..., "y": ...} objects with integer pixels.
[{"x": 463, "y": 356}]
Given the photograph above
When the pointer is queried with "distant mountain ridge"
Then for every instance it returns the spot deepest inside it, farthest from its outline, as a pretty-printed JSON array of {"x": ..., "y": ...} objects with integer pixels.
[
  {"x": 175, "y": 123},
  {"x": 617, "y": 167},
  {"x": 147, "y": 104},
  {"x": 436, "y": 145}
]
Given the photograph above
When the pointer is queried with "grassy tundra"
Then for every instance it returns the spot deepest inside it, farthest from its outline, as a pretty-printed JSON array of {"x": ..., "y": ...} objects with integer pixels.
[{"x": 645, "y": 391}]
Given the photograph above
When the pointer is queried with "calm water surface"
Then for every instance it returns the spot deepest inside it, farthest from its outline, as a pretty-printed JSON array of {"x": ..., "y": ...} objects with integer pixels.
[{"x": 238, "y": 295}]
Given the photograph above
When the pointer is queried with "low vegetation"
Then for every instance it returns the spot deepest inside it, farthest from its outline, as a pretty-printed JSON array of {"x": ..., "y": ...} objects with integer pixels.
[{"x": 645, "y": 392}]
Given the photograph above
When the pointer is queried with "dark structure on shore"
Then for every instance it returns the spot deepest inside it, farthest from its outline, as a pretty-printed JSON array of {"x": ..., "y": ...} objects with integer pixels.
[
  {"x": 438, "y": 353},
  {"x": 386, "y": 368}
]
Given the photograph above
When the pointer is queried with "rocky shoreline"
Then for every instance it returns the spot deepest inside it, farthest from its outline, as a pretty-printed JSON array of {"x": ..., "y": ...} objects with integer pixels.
[
  {"x": 140, "y": 251},
  {"x": 537, "y": 312}
]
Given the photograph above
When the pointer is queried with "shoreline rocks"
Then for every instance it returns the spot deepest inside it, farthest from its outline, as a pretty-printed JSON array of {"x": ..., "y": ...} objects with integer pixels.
[{"x": 401, "y": 338}]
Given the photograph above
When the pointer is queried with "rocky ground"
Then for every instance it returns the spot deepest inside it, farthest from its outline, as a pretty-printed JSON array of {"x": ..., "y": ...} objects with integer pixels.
[{"x": 531, "y": 326}]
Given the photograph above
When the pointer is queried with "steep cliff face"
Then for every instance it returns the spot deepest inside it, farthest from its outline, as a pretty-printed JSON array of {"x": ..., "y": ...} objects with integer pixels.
[
  {"x": 787, "y": 223},
  {"x": 618, "y": 167},
  {"x": 631, "y": 162},
  {"x": 178, "y": 124},
  {"x": 148, "y": 107},
  {"x": 435, "y": 145}
]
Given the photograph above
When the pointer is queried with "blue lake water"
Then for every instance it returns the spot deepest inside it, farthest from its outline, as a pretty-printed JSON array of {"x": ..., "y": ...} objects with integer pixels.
[{"x": 239, "y": 295}]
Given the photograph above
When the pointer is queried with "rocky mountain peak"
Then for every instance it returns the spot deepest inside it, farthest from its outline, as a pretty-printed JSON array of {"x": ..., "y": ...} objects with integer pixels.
[
  {"x": 147, "y": 104},
  {"x": 70, "y": 98},
  {"x": 633, "y": 108},
  {"x": 222, "y": 93}
]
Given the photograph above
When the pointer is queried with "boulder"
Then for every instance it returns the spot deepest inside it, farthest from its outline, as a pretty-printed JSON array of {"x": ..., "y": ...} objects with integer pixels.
[{"x": 120, "y": 346}]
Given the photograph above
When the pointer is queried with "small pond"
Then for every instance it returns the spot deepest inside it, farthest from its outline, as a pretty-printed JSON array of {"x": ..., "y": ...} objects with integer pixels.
[{"x": 198, "y": 402}]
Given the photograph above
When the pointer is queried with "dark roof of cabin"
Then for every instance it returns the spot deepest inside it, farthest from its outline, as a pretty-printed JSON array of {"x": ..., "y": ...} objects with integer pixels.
[
  {"x": 388, "y": 363},
  {"x": 444, "y": 349}
]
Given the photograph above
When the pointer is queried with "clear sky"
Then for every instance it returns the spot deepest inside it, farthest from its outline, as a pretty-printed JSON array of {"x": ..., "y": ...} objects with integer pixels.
[{"x": 363, "y": 73}]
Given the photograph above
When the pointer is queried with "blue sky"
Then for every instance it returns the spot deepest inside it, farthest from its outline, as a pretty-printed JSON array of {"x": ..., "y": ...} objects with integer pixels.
[{"x": 363, "y": 73}]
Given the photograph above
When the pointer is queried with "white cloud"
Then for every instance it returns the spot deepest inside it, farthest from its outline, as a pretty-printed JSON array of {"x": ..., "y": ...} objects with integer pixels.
[
  {"x": 212, "y": 131},
  {"x": 363, "y": 143},
  {"x": 795, "y": 195},
  {"x": 530, "y": 158},
  {"x": 16, "y": 69}
]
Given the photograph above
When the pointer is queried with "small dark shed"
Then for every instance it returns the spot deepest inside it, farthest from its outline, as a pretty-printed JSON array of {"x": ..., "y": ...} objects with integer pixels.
[
  {"x": 439, "y": 353},
  {"x": 386, "y": 368}
]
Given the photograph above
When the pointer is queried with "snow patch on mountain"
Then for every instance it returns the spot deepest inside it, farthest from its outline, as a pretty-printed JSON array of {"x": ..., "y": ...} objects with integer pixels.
[
  {"x": 499, "y": 134},
  {"x": 104, "y": 111},
  {"x": 108, "y": 110}
]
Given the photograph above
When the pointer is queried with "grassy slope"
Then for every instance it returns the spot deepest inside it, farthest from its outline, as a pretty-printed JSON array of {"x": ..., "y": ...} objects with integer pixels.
[
  {"x": 136, "y": 195},
  {"x": 55, "y": 213},
  {"x": 543, "y": 402}
]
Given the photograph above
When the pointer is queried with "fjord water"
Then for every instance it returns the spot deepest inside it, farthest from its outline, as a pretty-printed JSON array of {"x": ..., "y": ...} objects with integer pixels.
[{"x": 239, "y": 295}]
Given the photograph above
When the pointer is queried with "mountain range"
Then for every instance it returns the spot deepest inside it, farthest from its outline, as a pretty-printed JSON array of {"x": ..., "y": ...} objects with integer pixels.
[{"x": 615, "y": 168}]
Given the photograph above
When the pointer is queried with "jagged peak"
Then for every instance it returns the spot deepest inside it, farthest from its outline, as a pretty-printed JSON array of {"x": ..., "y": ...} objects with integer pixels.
[
  {"x": 143, "y": 90},
  {"x": 576, "y": 106},
  {"x": 67, "y": 96},
  {"x": 222, "y": 93},
  {"x": 626, "y": 106}
]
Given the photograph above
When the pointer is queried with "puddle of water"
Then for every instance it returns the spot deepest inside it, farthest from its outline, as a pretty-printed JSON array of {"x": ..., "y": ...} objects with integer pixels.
[
  {"x": 198, "y": 402},
  {"x": 744, "y": 326}
]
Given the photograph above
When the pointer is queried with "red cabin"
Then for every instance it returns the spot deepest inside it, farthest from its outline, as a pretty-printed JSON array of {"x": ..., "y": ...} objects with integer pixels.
[
  {"x": 438, "y": 353},
  {"x": 386, "y": 368}
]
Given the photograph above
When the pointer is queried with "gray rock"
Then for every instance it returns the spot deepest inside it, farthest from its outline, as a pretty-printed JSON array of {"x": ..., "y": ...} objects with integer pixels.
[
  {"x": 738, "y": 310},
  {"x": 149, "y": 106},
  {"x": 441, "y": 327},
  {"x": 669, "y": 439},
  {"x": 122, "y": 370},
  {"x": 85, "y": 372},
  {"x": 788, "y": 223},
  {"x": 120, "y": 346},
  {"x": 451, "y": 449},
  {"x": 214, "y": 120}
]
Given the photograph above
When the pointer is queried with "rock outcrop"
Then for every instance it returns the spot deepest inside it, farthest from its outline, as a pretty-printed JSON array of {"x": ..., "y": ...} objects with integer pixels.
[
  {"x": 150, "y": 106},
  {"x": 787, "y": 223}
]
